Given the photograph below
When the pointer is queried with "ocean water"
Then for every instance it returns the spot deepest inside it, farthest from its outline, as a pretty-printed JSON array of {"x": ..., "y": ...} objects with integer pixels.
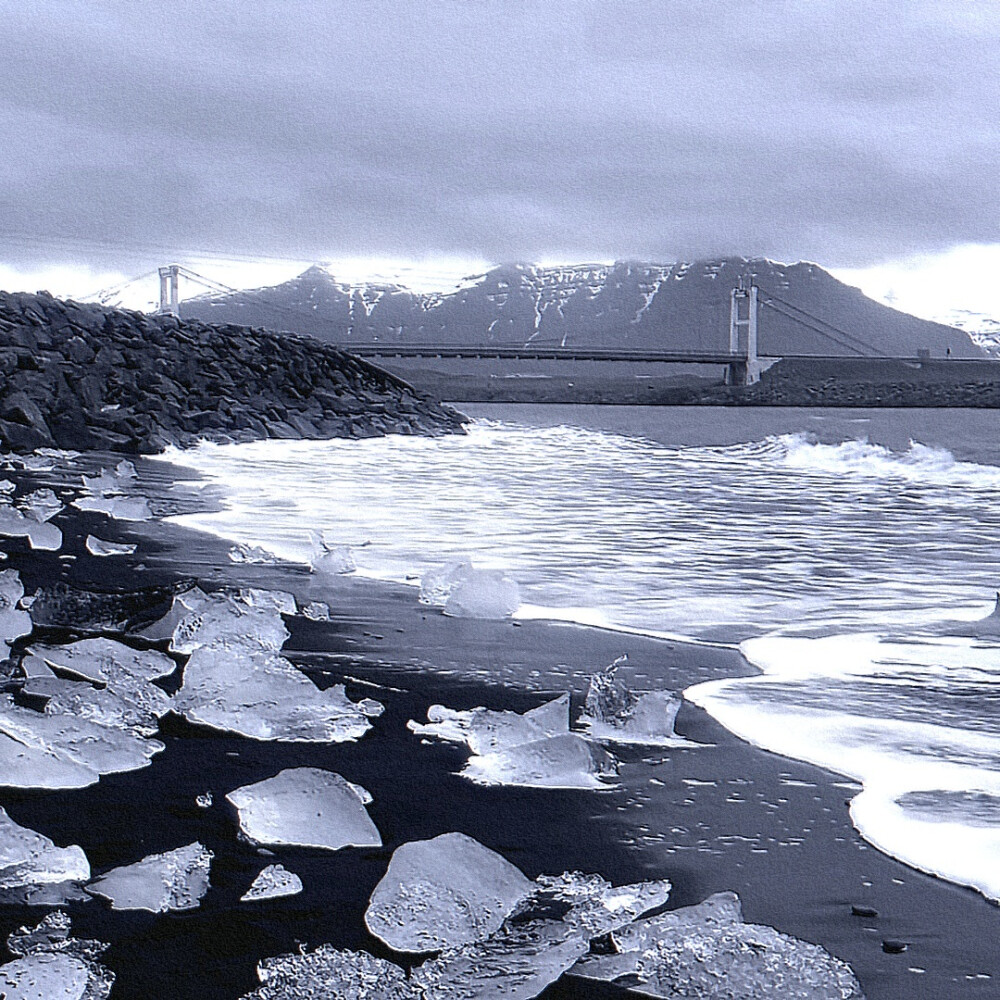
[{"x": 848, "y": 553}]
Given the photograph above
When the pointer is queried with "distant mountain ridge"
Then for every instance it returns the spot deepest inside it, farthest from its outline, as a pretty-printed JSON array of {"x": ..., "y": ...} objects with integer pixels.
[{"x": 626, "y": 305}]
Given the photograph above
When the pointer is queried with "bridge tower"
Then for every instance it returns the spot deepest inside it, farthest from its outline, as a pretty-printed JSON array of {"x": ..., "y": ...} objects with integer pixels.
[
  {"x": 169, "y": 298},
  {"x": 745, "y": 368}
]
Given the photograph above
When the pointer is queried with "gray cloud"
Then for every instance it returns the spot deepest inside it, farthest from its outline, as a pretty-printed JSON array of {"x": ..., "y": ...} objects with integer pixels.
[{"x": 839, "y": 131}]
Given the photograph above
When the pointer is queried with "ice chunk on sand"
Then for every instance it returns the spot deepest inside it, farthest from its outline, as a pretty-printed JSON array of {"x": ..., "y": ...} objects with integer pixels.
[
  {"x": 615, "y": 713},
  {"x": 99, "y": 547},
  {"x": 596, "y": 906},
  {"x": 329, "y": 558},
  {"x": 260, "y": 694},
  {"x": 29, "y": 859},
  {"x": 516, "y": 963},
  {"x": 244, "y": 553},
  {"x": 566, "y": 761},
  {"x": 175, "y": 880},
  {"x": 443, "y": 893},
  {"x": 268, "y": 600},
  {"x": 181, "y": 606},
  {"x": 305, "y": 807},
  {"x": 274, "y": 882},
  {"x": 40, "y": 535},
  {"x": 466, "y": 592},
  {"x": 120, "y": 508},
  {"x": 706, "y": 951},
  {"x": 316, "y": 611},
  {"x": 42, "y": 505},
  {"x": 106, "y": 660},
  {"x": 332, "y": 975},
  {"x": 45, "y": 976},
  {"x": 61, "y": 751},
  {"x": 486, "y": 731},
  {"x": 229, "y": 622},
  {"x": 14, "y": 623}
]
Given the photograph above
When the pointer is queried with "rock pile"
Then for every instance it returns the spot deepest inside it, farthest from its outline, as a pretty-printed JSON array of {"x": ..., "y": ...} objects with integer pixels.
[{"x": 75, "y": 375}]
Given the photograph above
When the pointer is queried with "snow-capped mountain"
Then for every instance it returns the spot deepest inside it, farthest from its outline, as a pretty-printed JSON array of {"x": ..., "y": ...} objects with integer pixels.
[
  {"x": 681, "y": 306},
  {"x": 984, "y": 330}
]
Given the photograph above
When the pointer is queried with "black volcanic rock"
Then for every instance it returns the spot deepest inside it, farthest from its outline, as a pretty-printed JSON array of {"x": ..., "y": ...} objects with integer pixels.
[
  {"x": 124, "y": 381},
  {"x": 624, "y": 305}
]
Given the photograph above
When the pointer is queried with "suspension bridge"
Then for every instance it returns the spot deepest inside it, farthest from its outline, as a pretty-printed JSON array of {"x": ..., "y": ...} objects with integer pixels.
[{"x": 742, "y": 358}]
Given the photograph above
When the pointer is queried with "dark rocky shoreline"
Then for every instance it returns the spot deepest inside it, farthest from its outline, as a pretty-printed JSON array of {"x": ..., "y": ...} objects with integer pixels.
[{"x": 80, "y": 376}]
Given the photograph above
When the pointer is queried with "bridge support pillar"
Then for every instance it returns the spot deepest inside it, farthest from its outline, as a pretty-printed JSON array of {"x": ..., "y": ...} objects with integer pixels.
[
  {"x": 744, "y": 370},
  {"x": 169, "y": 298}
]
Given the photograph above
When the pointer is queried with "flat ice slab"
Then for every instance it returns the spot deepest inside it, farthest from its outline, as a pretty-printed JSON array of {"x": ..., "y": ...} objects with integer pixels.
[
  {"x": 175, "y": 880},
  {"x": 273, "y": 882},
  {"x": 305, "y": 807},
  {"x": 566, "y": 761},
  {"x": 443, "y": 893},
  {"x": 99, "y": 547},
  {"x": 29, "y": 859}
]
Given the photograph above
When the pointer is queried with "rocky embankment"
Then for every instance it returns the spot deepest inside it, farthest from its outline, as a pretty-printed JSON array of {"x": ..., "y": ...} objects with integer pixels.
[{"x": 75, "y": 375}]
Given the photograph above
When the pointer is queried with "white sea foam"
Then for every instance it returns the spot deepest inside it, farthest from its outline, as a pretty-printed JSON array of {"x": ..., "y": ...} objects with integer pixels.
[{"x": 873, "y": 709}]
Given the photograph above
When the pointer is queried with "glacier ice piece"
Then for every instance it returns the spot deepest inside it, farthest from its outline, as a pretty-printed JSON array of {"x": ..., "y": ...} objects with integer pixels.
[
  {"x": 174, "y": 880},
  {"x": 204, "y": 800},
  {"x": 119, "y": 508},
  {"x": 222, "y": 619},
  {"x": 443, "y": 893},
  {"x": 268, "y": 600},
  {"x": 516, "y": 963},
  {"x": 105, "y": 660},
  {"x": 596, "y": 906},
  {"x": 708, "y": 952},
  {"x": 566, "y": 761},
  {"x": 273, "y": 882},
  {"x": 329, "y": 974},
  {"x": 244, "y": 553},
  {"x": 29, "y": 859},
  {"x": 181, "y": 605},
  {"x": 14, "y": 622},
  {"x": 466, "y": 592},
  {"x": 487, "y": 731},
  {"x": 305, "y": 807},
  {"x": 259, "y": 694},
  {"x": 40, "y": 534},
  {"x": 45, "y": 976},
  {"x": 316, "y": 611},
  {"x": 614, "y": 713},
  {"x": 42, "y": 505},
  {"x": 99, "y": 547},
  {"x": 329, "y": 558},
  {"x": 58, "y": 750}
]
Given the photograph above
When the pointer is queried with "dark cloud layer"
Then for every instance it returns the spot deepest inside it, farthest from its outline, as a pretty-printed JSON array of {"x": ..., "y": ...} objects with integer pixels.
[{"x": 839, "y": 131}]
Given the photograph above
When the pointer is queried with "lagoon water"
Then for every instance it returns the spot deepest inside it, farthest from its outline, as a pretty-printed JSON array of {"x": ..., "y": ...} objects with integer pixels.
[{"x": 846, "y": 551}]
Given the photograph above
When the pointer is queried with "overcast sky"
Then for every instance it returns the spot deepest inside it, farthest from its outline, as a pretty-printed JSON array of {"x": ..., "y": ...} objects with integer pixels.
[{"x": 475, "y": 131}]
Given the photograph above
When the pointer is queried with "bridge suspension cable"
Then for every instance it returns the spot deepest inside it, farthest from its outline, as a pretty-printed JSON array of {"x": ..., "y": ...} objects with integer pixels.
[{"x": 840, "y": 337}]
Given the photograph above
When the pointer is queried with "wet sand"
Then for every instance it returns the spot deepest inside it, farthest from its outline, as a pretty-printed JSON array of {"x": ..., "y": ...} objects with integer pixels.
[{"x": 719, "y": 816}]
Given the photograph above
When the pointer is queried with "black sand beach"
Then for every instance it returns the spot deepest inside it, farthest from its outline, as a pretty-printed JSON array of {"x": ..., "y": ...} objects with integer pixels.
[{"x": 719, "y": 816}]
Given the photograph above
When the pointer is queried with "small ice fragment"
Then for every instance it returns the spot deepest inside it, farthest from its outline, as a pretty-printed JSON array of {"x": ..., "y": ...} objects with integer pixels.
[
  {"x": 268, "y": 600},
  {"x": 330, "y": 559},
  {"x": 104, "y": 483},
  {"x": 332, "y": 975},
  {"x": 613, "y": 712},
  {"x": 99, "y": 547},
  {"x": 244, "y": 553},
  {"x": 466, "y": 592},
  {"x": 14, "y": 623},
  {"x": 106, "y": 660},
  {"x": 41, "y": 535},
  {"x": 316, "y": 611},
  {"x": 180, "y": 607},
  {"x": 175, "y": 880},
  {"x": 29, "y": 859},
  {"x": 41, "y": 461},
  {"x": 44, "y": 976},
  {"x": 274, "y": 882},
  {"x": 566, "y": 761},
  {"x": 443, "y": 893},
  {"x": 223, "y": 620},
  {"x": 203, "y": 801},
  {"x": 304, "y": 807},
  {"x": 6, "y": 486},
  {"x": 125, "y": 470},
  {"x": 42, "y": 505},
  {"x": 489, "y": 731},
  {"x": 120, "y": 508},
  {"x": 516, "y": 963}
]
